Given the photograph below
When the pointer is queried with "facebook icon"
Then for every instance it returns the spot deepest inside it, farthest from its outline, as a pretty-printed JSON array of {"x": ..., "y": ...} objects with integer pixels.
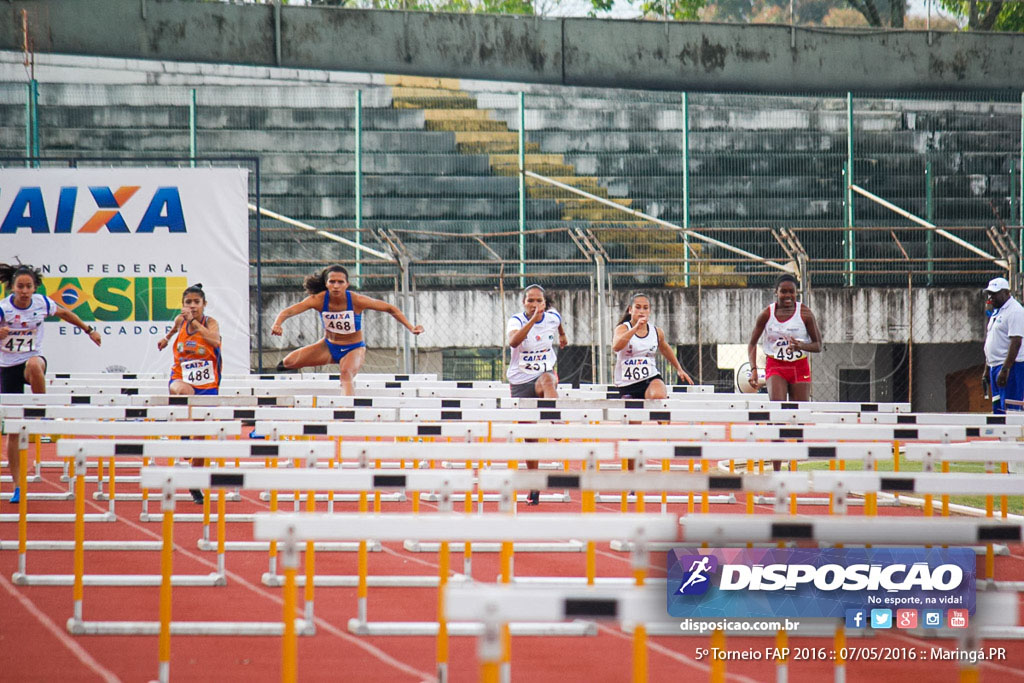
[{"x": 856, "y": 618}]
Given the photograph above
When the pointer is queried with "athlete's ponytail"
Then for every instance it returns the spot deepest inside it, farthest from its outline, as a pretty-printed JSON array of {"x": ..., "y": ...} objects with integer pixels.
[
  {"x": 10, "y": 272},
  {"x": 197, "y": 288},
  {"x": 316, "y": 283}
]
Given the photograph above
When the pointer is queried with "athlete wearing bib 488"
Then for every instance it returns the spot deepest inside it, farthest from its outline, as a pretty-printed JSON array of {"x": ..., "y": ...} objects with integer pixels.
[
  {"x": 197, "y": 360},
  {"x": 341, "y": 312},
  {"x": 636, "y": 344},
  {"x": 22, "y": 313}
]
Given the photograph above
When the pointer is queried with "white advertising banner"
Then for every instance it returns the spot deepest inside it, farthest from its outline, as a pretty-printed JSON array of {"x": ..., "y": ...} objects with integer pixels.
[{"x": 119, "y": 246}]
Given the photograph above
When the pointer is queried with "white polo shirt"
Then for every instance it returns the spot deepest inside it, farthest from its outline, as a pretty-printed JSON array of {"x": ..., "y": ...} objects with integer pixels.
[{"x": 1006, "y": 322}]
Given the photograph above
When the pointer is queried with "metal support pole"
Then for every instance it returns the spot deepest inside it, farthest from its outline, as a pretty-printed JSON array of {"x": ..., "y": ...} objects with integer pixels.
[
  {"x": 403, "y": 263},
  {"x": 192, "y": 137},
  {"x": 359, "y": 185},
  {"x": 686, "y": 189},
  {"x": 848, "y": 244},
  {"x": 28, "y": 124},
  {"x": 522, "y": 189},
  {"x": 602, "y": 321},
  {"x": 929, "y": 213},
  {"x": 259, "y": 272},
  {"x": 35, "y": 120}
]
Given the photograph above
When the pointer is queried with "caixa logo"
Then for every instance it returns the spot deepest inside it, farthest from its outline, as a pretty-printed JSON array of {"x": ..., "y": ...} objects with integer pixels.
[{"x": 28, "y": 210}]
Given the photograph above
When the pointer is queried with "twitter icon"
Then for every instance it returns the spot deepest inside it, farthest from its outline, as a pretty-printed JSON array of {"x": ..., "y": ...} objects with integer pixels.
[{"x": 881, "y": 618}]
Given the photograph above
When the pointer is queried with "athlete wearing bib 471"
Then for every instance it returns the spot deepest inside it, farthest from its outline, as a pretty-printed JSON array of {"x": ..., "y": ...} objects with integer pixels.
[
  {"x": 22, "y": 313},
  {"x": 790, "y": 333},
  {"x": 341, "y": 312},
  {"x": 636, "y": 344}
]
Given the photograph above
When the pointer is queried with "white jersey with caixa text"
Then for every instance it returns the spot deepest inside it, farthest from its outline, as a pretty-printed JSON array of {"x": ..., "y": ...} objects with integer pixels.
[
  {"x": 637, "y": 361},
  {"x": 538, "y": 352},
  {"x": 24, "y": 328}
]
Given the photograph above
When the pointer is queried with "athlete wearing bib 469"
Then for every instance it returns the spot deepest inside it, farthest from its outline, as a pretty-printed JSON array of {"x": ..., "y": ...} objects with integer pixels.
[
  {"x": 341, "y": 313},
  {"x": 22, "y": 314},
  {"x": 636, "y": 344}
]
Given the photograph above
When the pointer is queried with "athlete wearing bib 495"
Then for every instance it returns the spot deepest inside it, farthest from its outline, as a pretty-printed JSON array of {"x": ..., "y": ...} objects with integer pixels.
[
  {"x": 636, "y": 344},
  {"x": 22, "y": 314},
  {"x": 341, "y": 313},
  {"x": 790, "y": 333}
]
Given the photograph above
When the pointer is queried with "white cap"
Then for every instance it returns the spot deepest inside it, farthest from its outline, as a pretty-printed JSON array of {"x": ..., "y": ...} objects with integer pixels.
[{"x": 997, "y": 284}]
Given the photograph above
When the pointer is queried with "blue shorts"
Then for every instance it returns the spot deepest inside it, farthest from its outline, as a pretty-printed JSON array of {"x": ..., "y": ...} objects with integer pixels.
[
  {"x": 339, "y": 351},
  {"x": 198, "y": 392},
  {"x": 1013, "y": 390}
]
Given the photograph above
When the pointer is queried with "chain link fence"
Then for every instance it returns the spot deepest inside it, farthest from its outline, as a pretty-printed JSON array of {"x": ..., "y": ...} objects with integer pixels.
[{"x": 700, "y": 200}]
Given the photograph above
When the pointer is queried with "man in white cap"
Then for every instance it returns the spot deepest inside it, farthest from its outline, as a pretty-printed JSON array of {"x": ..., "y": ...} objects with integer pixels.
[{"x": 1003, "y": 352}]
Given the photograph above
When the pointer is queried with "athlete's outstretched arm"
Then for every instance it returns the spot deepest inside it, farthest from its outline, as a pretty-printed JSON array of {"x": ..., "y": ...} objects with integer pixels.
[
  {"x": 365, "y": 302},
  {"x": 69, "y": 317},
  {"x": 670, "y": 354},
  {"x": 162, "y": 344},
  {"x": 311, "y": 302},
  {"x": 755, "y": 337},
  {"x": 811, "y": 323}
]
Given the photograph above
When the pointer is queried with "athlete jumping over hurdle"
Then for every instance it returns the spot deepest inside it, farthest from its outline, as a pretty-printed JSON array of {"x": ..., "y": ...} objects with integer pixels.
[
  {"x": 21, "y": 340},
  {"x": 197, "y": 360},
  {"x": 341, "y": 312}
]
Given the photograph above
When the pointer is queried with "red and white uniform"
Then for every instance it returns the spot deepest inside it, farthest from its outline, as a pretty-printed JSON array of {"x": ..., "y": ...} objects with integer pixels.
[{"x": 781, "y": 358}]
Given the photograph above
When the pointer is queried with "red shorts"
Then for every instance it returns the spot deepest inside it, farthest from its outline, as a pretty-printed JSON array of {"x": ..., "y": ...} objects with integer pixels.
[{"x": 793, "y": 372}]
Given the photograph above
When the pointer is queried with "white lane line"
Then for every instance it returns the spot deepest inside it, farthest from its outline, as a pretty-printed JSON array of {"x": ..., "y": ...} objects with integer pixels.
[
  {"x": 61, "y": 634},
  {"x": 370, "y": 649}
]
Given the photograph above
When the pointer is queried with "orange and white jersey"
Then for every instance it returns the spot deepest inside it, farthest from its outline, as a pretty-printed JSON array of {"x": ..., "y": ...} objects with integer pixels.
[{"x": 196, "y": 361}]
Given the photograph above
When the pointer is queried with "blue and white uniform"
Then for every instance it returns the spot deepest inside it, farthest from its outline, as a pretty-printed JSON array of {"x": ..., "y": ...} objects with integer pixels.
[
  {"x": 341, "y": 322},
  {"x": 24, "y": 328}
]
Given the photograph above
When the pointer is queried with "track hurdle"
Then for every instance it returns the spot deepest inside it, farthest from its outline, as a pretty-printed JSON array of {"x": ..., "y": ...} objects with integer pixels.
[
  {"x": 447, "y": 527},
  {"x": 313, "y": 480},
  {"x": 876, "y": 432},
  {"x": 495, "y": 606}
]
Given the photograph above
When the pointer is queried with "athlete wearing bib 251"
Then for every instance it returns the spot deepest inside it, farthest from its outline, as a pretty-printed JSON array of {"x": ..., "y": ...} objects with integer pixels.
[
  {"x": 536, "y": 354},
  {"x": 196, "y": 361}
]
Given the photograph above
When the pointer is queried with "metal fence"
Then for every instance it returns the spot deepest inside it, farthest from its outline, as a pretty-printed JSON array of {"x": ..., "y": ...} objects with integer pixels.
[{"x": 673, "y": 193}]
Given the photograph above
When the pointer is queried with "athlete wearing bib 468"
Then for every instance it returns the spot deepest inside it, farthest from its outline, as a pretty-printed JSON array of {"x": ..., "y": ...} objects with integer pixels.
[
  {"x": 636, "y": 344},
  {"x": 790, "y": 333},
  {"x": 22, "y": 313},
  {"x": 341, "y": 312}
]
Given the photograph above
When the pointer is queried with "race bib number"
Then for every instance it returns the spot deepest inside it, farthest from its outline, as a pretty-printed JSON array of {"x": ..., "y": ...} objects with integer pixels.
[
  {"x": 197, "y": 372},
  {"x": 339, "y": 322},
  {"x": 538, "y": 361},
  {"x": 784, "y": 352},
  {"x": 639, "y": 369},
  {"x": 20, "y": 341}
]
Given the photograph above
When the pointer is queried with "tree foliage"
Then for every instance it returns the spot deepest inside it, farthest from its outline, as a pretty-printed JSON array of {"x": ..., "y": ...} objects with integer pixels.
[{"x": 988, "y": 16}]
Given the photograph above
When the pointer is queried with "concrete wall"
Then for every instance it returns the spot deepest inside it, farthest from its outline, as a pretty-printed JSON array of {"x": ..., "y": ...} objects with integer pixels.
[{"x": 590, "y": 52}]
